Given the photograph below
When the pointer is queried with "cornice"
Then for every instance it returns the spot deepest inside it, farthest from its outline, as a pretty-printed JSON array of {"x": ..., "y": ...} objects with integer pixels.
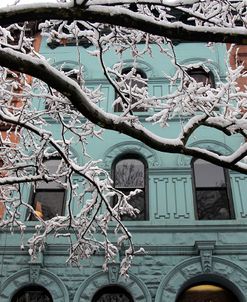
[
  {"x": 150, "y": 250},
  {"x": 230, "y": 226}
]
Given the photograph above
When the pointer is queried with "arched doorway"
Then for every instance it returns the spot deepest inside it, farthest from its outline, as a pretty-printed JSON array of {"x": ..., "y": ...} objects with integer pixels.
[
  {"x": 32, "y": 293},
  {"x": 112, "y": 293},
  {"x": 207, "y": 292}
]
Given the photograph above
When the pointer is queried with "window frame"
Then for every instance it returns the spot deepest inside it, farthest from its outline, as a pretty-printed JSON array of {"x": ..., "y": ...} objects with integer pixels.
[
  {"x": 117, "y": 107},
  {"x": 202, "y": 71},
  {"x": 56, "y": 188},
  {"x": 146, "y": 183},
  {"x": 227, "y": 189}
]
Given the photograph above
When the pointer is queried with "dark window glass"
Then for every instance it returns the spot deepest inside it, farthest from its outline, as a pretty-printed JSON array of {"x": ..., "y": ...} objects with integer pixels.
[
  {"x": 212, "y": 191},
  {"x": 132, "y": 86},
  {"x": 200, "y": 75},
  {"x": 48, "y": 198},
  {"x": 112, "y": 294},
  {"x": 32, "y": 294},
  {"x": 130, "y": 174}
]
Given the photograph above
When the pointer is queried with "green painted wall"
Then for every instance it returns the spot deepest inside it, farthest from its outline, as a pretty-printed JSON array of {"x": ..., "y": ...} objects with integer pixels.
[{"x": 180, "y": 249}]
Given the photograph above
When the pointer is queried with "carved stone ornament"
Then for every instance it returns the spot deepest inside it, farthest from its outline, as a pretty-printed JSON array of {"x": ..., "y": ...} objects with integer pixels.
[
  {"x": 192, "y": 271},
  {"x": 133, "y": 148},
  {"x": 206, "y": 251},
  {"x": 135, "y": 286},
  {"x": 113, "y": 272},
  {"x": 34, "y": 272}
]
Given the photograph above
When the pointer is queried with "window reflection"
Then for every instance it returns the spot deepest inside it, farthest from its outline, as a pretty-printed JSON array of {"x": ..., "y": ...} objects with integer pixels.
[
  {"x": 212, "y": 191},
  {"x": 130, "y": 174},
  {"x": 48, "y": 198}
]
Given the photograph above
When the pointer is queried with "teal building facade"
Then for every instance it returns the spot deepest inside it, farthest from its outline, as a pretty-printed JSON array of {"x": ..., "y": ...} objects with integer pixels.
[{"x": 192, "y": 227}]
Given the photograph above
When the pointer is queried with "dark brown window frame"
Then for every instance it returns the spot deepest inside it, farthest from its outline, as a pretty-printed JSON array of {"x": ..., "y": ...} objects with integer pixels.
[
  {"x": 35, "y": 191},
  {"x": 227, "y": 189},
  {"x": 200, "y": 71}
]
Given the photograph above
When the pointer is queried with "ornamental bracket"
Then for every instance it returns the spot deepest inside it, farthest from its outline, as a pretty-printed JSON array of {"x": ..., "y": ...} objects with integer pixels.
[{"x": 205, "y": 248}]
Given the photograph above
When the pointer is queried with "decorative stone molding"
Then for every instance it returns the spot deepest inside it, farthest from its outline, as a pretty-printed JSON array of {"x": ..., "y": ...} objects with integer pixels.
[
  {"x": 190, "y": 271},
  {"x": 113, "y": 272},
  {"x": 218, "y": 147},
  {"x": 241, "y": 193},
  {"x": 205, "y": 249},
  {"x": 132, "y": 284},
  {"x": 41, "y": 277},
  {"x": 69, "y": 65},
  {"x": 130, "y": 147},
  {"x": 140, "y": 64},
  {"x": 34, "y": 272}
]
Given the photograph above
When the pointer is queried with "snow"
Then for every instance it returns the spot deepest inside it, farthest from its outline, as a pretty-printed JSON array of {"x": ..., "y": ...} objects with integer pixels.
[{"x": 76, "y": 110}]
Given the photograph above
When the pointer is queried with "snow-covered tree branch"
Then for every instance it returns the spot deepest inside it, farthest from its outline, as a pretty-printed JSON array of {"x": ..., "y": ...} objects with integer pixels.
[
  {"x": 119, "y": 27},
  {"x": 219, "y": 21}
]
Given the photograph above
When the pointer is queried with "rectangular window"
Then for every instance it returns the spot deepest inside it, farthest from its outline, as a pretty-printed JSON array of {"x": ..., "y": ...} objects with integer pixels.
[
  {"x": 131, "y": 85},
  {"x": 130, "y": 174},
  {"x": 212, "y": 191},
  {"x": 48, "y": 198}
]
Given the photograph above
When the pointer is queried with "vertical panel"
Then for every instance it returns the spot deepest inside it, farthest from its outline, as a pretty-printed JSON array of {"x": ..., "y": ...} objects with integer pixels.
[
  {"x": 157, "y": 90},
  {"x": 161, "y": 198},
  {"x": 241, "y": 193},
  {"x": 106, "y": 103},
  {"x": 181, "y": 202}
]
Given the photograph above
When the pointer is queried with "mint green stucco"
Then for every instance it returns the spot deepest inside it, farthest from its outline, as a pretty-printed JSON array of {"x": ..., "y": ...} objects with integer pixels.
[{"x": 181, "y": 250}]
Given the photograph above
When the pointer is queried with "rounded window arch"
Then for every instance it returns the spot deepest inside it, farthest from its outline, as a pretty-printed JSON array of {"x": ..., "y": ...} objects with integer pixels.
[
  {"x": 129, "y": 173},
  {"x": 32, "y": 293},
  {"x": 133, "y": 84},
  {"x": 111, "y": 293},
  {"x": 207, "y": 292},
  {"x": 200, "y": 75},
  {"x": 212, "y": 191}
]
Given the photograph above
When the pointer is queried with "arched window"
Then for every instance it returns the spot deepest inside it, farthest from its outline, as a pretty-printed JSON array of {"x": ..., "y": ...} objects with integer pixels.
[
  {"x": 130, "y": 88},
  {"x": 200, "y": 75},
  {"x": 72, "y": 74},
  {"x": 112, "y": 293},
  {"x": 212, "y": 191},
  {"x": 48, "y": 197},
  {"x": 207, "y": 293},
  {"x": 130, "y": 173},
  {"x": 32, "y": 293}
]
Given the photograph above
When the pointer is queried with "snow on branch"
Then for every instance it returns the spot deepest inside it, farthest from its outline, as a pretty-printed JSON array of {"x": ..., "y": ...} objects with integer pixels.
[
  {"x": 34, "y": 94},
  {"x": 205, "y": 20}
]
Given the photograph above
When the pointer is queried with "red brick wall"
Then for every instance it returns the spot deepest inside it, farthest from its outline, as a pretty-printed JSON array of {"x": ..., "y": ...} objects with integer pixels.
[
  {"x": 1, "y": 210},
  {"x": 239, "y": 56}
]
